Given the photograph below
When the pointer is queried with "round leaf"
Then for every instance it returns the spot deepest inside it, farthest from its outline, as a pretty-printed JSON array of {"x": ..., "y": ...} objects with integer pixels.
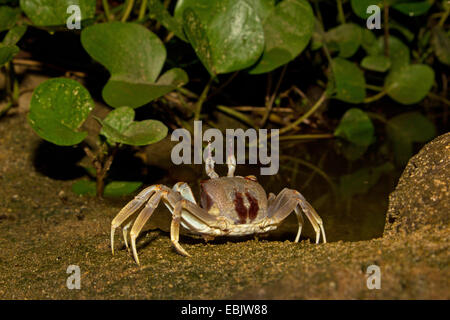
[
  {"x": 121, "y": 188},
  {"x": 119, "y": 127},
  {"x": 58, "y": 108},
  {"x": 376, "y": 63},
  {"x": 226, "y": 35},
  {"x": 7, "y": 53},
  {"x": 54, "y": 12},
  {"x": 356, "y": 127},
  {"x": 287, "y": 31},
  {"x": 84, "y": 187},
  {"x": 8, "y": 17},
  {"x": 134, "y": 56},
  {"x": 441, "y": 45},
  {"x": 413, "y": 9},
  {"x": 360, "y": 7},
  {"x": 349, "y": 81},
  {"x": 400, "y": 55},
  {"x": 409, "y": 84},
  {"x": 347, "y": 37}
]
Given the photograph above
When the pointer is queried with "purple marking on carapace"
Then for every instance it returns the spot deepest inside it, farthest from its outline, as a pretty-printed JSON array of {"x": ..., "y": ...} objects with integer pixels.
[
  {"x": 240, "y": 207},
  {"x": 253, "y": 210}
]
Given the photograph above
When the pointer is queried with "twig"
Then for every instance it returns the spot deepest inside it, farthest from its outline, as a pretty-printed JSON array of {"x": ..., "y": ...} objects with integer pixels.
[
  {"x": 341, "y": 12},
  {"x": 106, "y": 9},
  {"x": 201, "y": 100},
  {"x": 237, "y": 114},
  {"x": 439, "y": 98},
  {"x": 274, "y": 95},
  {"x": 223, "y": 86},
  {"x": 375, "y": 97},
  {"x": 444, "y": 17},
  {"x": 127, "y": 11},
  {"x": 142, "y": 10},
  {"x": 306, "y": 115}
]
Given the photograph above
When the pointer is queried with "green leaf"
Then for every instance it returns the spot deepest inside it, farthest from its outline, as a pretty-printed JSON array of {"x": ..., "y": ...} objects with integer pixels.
[
  {"x": 349, "y": 81},
  {"x": 347, "y": 37},
  {"x": 400, "y": 55},
  {"x": 119, "y": 127},
  {"x": 360, "y": 7},
  {"x": 58, "y": 108},
  {"x": 7, "y": 53},
  {"x": 119, "y": 93},
  {"x": 84, "y": 187},
  {"x": 226, "y": 35},
  {"x": 376, "y": 63},
  {"x": 441, "y": 45},
  {"x": 356, "y": 127},
  {"x": 287, "y": 31},
  {"x": 134, "y": 56},
  {"x": 361, "y": 181},
  {"x": 121, "y": 188},
  {"x": 406, "y": 129},
  {"x": 409, "y": 84},
  {"x": 112, "y": 189},
  {"x": 50, "y": 13},
  {"x": 8, "y": 17},
  {"x": 159, "y": 12},
  {"x": 14, "y": 35},
  {"x": 412, "y": 8}
]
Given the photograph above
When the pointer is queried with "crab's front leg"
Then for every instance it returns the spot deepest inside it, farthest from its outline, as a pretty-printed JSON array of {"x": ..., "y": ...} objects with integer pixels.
[
  {"x": 289, "y": 200},
  {"x": 127, "y": 212}
]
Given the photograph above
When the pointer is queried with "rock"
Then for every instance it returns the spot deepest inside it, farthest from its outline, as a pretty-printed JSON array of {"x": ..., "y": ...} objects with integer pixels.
[{"x": 422, "y": 196}]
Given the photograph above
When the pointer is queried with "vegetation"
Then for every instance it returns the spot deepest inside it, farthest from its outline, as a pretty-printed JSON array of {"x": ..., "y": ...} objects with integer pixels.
[{"x": 149, "y": 47}]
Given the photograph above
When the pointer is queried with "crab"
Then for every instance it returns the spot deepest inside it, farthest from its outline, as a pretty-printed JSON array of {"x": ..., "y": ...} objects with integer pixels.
[{"x": 230, "y": 206}]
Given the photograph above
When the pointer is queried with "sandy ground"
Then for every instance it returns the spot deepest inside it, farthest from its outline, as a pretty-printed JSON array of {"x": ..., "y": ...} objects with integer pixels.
[{"x": 44, "y": 228}]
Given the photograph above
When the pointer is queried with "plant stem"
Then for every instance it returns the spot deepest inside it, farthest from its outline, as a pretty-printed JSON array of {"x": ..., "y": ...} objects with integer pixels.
[
  {"x": 386, "y": 28},
  {"x": 142, "y": 10},
  {"x": 444, "y": 17},
  {"x": 377, "y": 116},
  {"x": 272, "y": 98},
  {"x": 202, "y": 98},
  {"x": 375, "y": 97},
  {"x": 106, "y": 9},
  {"x": 242, "y": 117},
  {"x": 127, "y": 10},
  {"x": 101, "y": 166},
  {"x": 223, "y": 86},
  {"x": 306, "y": 115},
  {"x": 439, "y": 98},
  {"x": 374, "y": 88},
  {"x": 340, "y": 12}
]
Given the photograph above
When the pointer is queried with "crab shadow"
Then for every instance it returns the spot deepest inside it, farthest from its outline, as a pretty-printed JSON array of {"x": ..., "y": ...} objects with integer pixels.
[{"x": 148, "y": 237}]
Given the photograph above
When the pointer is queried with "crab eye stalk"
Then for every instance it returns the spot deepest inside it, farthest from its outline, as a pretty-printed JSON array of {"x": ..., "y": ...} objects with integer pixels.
[{"x": 252, "y": 178}]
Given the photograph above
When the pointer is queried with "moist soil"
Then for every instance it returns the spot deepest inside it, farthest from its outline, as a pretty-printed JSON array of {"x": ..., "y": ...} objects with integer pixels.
[{"x": 45, "y": 228}]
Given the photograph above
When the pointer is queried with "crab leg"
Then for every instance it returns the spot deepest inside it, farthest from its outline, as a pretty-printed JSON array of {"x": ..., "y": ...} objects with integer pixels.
[
  {"x": 292, "y": 202},
  {"x": 175, "y": 228},
  {"x": 301, "y": 221},
  {"x": 313, "y": 217},
  {"x": 130, "y": 209},
  {"x": 185, "y": 191},
  {"x": 142, "y": 219}
]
